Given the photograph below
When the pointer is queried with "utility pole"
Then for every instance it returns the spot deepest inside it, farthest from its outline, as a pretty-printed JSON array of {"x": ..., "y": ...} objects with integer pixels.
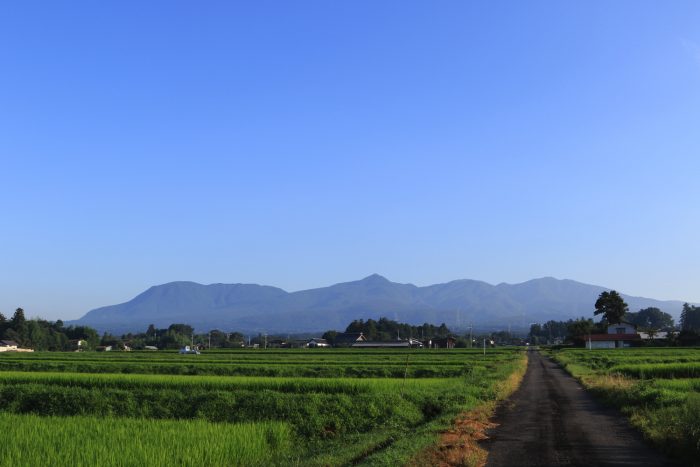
[
  {"x": 265, "y": 341},
  {"x": 209, "y": 340},
  {"x": 484, "y": 346}
]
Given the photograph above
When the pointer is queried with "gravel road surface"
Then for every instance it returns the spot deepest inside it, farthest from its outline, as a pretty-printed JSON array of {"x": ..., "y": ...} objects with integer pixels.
[{"x": 551, "y": 421}]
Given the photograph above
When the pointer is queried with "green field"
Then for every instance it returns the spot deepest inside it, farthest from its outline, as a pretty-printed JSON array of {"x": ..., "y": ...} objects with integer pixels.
[
  {"x": 242, "y": 407},
  {"x": 658, "y": 388}
]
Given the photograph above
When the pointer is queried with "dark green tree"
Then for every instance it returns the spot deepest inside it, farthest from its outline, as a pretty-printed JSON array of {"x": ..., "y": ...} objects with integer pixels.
[
  {"x": 389, "y": 330},
  {"x": 37, "y": 335},
  {"x": 357, "y": 325},
  {"x": 690, "y": 318},
  {"x": 110, "y": 340},
  {"x": 18, "y": 324},
  {"x": 611, "y": 306},
  {"x": 535, "y": 334},
  {"x": 236, "y": 339},
  {"x": 83, "y": 333},
  {"x": 650, "y": 319},
  {"x": 181, "y": 329},
  {"x": 579, "y": 328},
  {"x": 3, "y": 324},
  {"x": 330, "y": 336}
]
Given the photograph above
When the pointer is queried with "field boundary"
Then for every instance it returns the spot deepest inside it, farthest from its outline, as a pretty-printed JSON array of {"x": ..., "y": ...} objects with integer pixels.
[{"x": 459, "y": 445}]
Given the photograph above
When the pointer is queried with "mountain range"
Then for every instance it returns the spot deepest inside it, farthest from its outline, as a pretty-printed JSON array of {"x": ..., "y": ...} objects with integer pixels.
[{"x": 260, "y": 308}]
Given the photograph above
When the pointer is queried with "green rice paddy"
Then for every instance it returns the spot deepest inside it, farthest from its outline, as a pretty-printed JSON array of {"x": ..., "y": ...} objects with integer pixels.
[{"x": 242, "y": 407}]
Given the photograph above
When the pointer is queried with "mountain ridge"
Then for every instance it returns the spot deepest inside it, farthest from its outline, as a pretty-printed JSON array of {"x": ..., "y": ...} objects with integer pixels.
[{"x": 264, "y": 308}]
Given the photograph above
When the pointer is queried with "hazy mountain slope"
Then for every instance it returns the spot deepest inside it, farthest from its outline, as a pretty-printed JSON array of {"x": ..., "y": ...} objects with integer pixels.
[
  {"x": 256, "y": 308},
  {"x": 373, "y": 291},
  {"x": 186, "y": 302}
]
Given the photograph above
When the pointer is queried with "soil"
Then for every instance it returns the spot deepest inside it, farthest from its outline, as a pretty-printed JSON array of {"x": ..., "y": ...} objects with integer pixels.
[
  {"x": 552, "y": 421},
  {"x": 459, "y": 445}
]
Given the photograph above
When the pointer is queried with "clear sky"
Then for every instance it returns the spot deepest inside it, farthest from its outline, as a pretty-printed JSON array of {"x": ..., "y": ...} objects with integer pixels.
[{"x": 300, "y": 144}]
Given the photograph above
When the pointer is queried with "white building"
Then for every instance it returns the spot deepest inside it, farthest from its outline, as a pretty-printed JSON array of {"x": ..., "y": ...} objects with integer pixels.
[
  {"x": 8, "y": 346},
  {"x": 318, "y": 342},
  {"x": 619, "y": 335}
]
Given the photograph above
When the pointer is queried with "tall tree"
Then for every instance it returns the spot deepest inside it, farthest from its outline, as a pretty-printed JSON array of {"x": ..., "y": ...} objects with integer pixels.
[
  {"x": 18, "y": 318},
  {"x": 18, "y": 323},
  {"x": 690, "y": 318},
  {"x": 611, "y": 306}
]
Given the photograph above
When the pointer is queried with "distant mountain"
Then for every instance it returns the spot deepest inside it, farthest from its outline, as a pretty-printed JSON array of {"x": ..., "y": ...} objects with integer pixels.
[{"x": 257, "y": 308}]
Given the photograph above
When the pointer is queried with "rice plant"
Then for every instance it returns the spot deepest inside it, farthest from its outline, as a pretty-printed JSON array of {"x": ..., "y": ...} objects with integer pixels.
[{"x": 30, "y": 440}]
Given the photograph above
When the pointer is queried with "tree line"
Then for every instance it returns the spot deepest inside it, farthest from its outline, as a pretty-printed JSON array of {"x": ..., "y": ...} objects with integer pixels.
[
  {"x": 690, "y": 320},
  {"x": 39, "y": 334},
  {"x": 613, "y": 309},
  {"x": 387, "y": 330},
  {"x": 175, "y": 336}
]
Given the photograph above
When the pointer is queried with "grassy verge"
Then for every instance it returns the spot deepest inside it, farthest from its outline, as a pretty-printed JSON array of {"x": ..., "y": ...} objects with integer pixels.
[{"x": 458, "y": 444}]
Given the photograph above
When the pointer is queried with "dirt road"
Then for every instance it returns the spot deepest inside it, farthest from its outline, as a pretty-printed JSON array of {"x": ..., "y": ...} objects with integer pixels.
[{"x": 552, "y": 421}]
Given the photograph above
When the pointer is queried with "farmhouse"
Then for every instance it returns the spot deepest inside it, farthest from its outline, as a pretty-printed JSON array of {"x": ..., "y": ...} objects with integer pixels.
[
  {"x": 12, "y": 346},
  {"x": 346, "y": 339},
  {"x": 619, "y": 335},
  {"x": 7, "y": 346}
]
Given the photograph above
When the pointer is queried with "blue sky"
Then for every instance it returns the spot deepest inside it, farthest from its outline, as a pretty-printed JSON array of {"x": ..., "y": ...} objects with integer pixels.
[{"x": 301, "y": 144}]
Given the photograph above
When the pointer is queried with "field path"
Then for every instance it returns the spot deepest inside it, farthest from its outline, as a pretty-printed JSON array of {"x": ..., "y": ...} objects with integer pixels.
[{"x": 551, "y": 420}]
